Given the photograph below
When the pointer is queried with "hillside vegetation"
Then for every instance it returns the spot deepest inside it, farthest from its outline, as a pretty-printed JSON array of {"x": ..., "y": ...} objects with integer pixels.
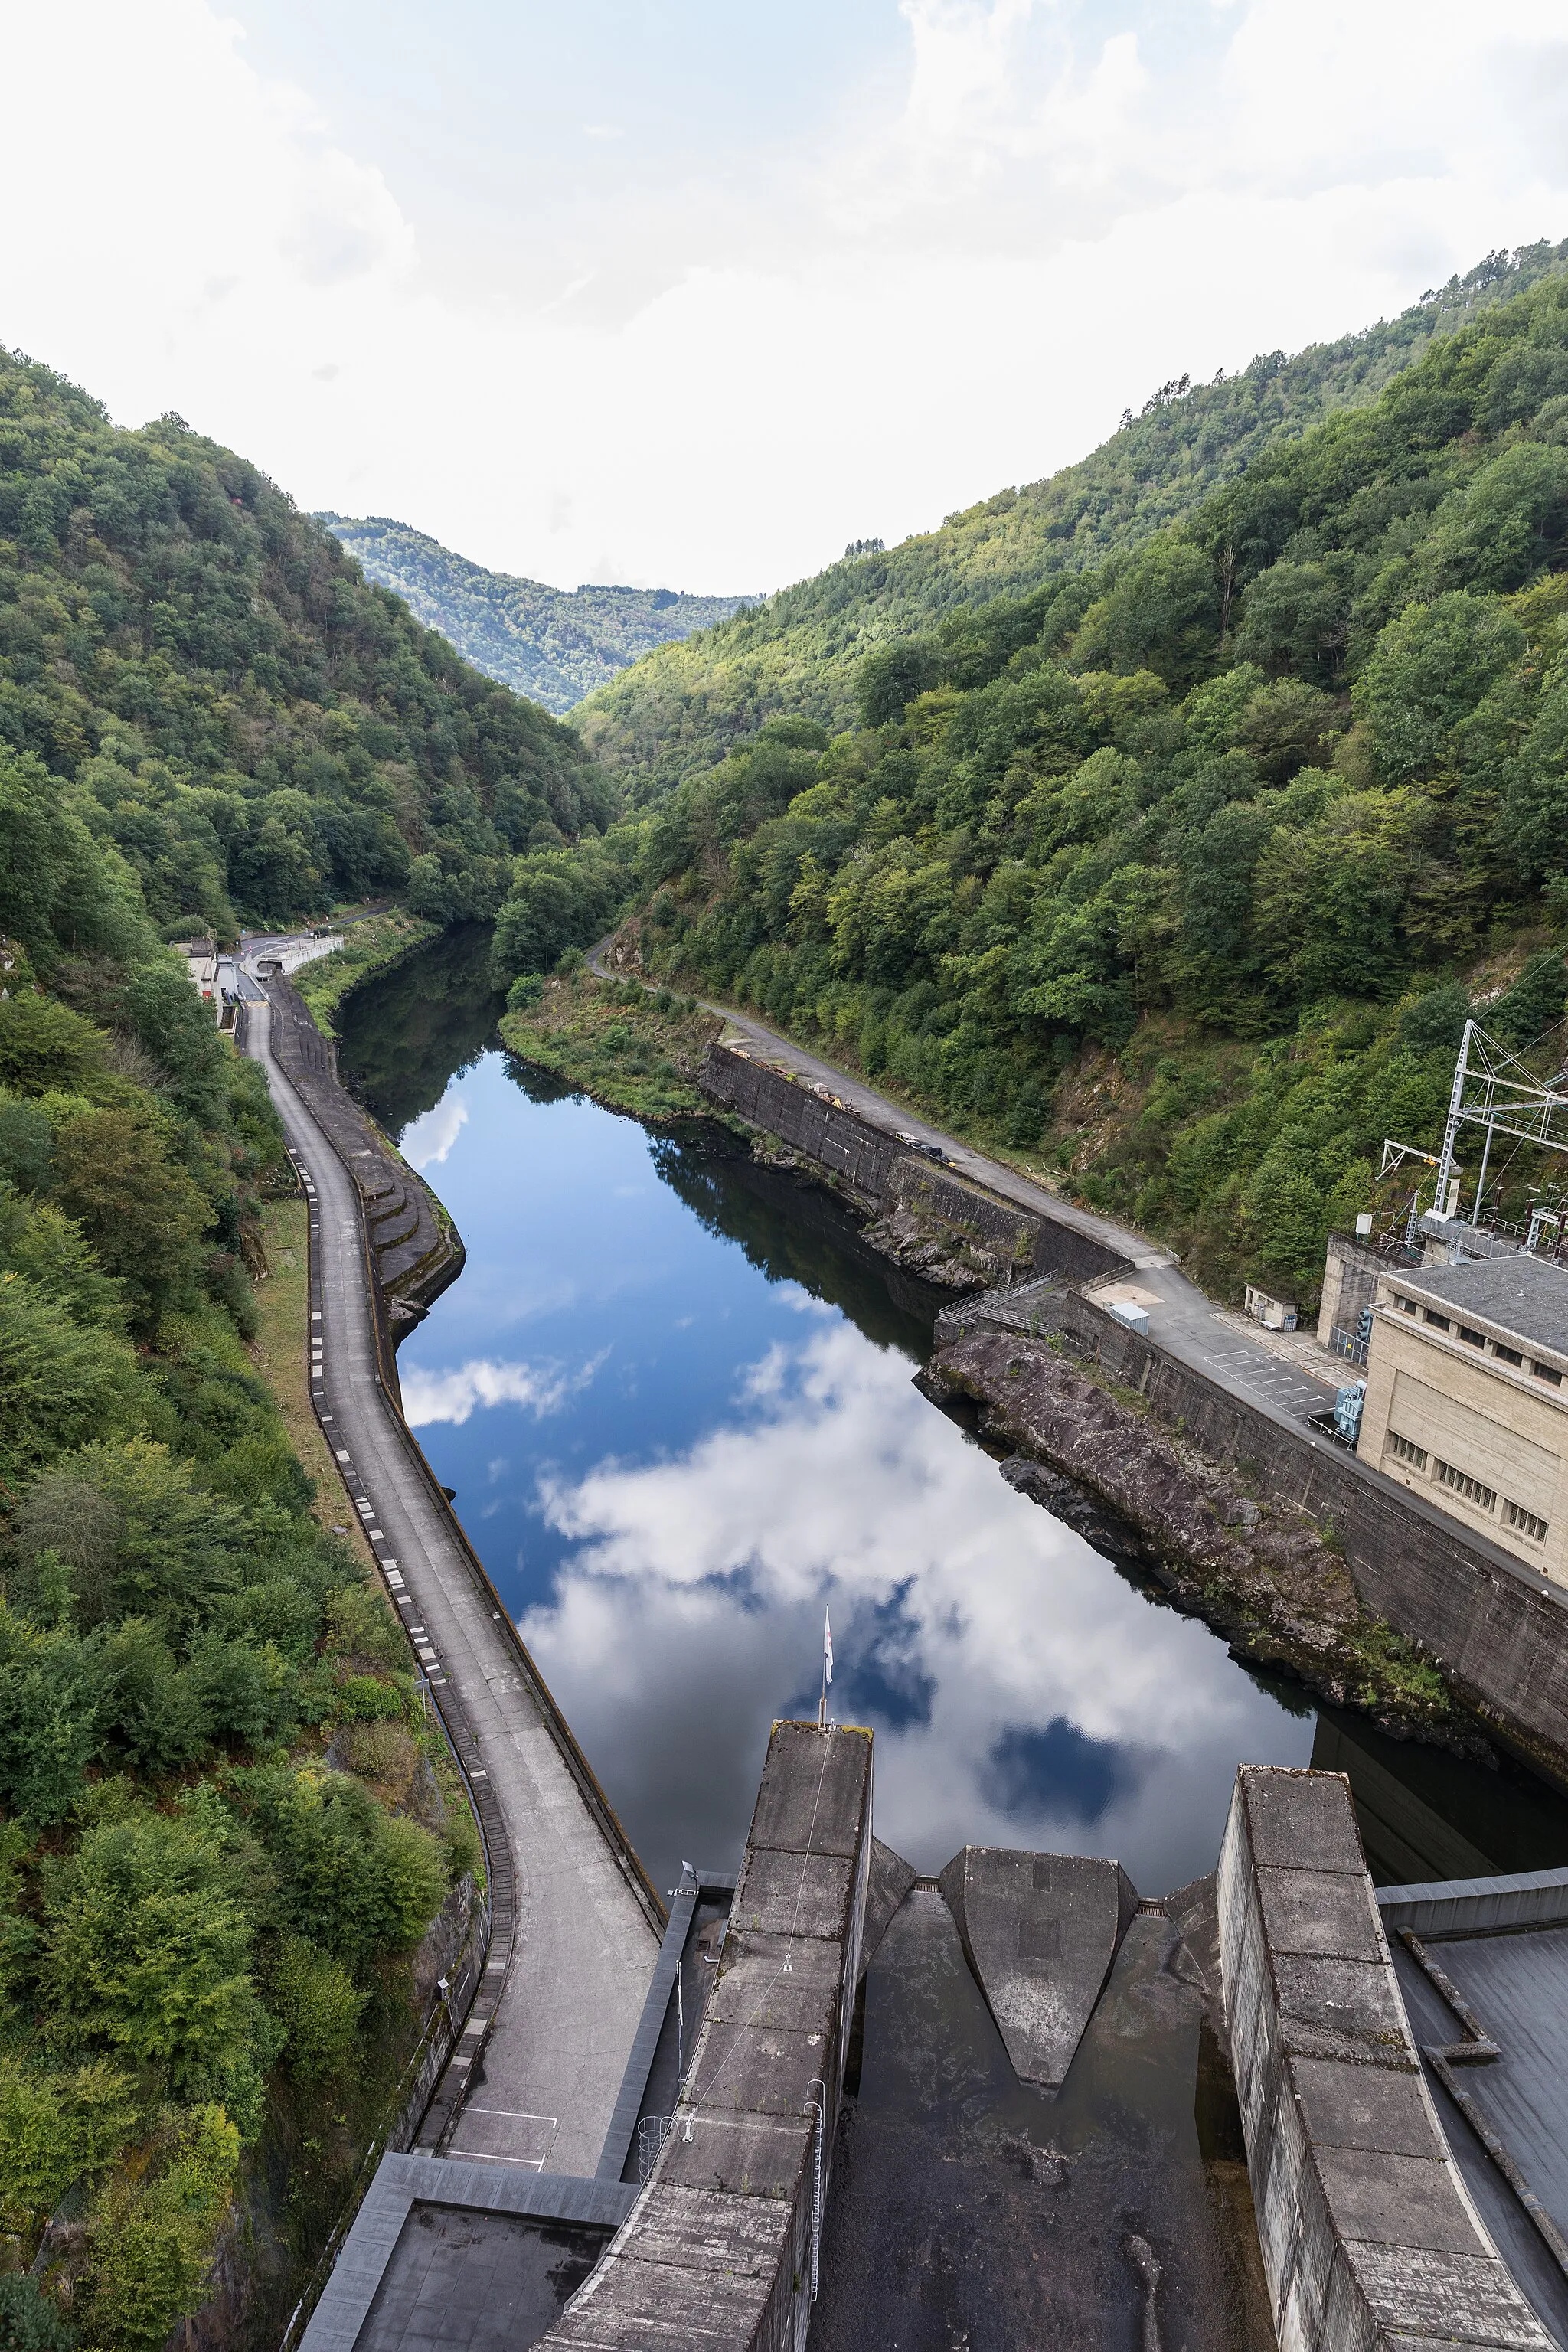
[
  {"x": 1180, "y": 868},
  {"x": 555, "y": 645},
  {"x": 258, "y": 730},
  {"x": 681, "y": 709},
  {"x": 201, "y": 1925}
]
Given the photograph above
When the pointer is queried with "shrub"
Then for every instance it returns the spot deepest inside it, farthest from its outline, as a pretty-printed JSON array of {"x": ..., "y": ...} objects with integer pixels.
[
  {"x": 151, "y": 2239},
  {"x": 315, "y": 2001}
]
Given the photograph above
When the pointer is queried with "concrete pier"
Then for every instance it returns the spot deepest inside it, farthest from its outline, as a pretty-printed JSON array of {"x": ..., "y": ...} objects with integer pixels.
[
  {"x": 1040, "y": 1932},
  {"x": 721, "y": 2247},
  {"x": 1371, "y": 2241}
]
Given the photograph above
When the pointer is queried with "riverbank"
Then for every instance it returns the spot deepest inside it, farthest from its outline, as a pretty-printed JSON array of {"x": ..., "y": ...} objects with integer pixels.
[
  {"x": 629, "y": 1047},
  {"x": 373, "y": 945},
  {"x": 1272, "y": 1581}
]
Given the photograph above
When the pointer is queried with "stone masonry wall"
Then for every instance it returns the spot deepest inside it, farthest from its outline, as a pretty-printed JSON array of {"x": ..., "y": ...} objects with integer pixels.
[
  {"x": 415, "y": 1250},
  {"x": 1499, "y": 1633},
  {"x": 885, "y": 1174},
  {"x": 1369, "y": 2241}
]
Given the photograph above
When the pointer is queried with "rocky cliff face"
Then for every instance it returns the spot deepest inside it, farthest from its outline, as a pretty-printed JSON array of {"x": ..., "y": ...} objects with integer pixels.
[{"x": 1259, "y": 1573}]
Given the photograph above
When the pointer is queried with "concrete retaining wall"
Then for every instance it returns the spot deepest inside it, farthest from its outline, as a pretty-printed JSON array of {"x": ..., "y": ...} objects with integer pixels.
[
  {"x": 882, "y": 1173},
  {"x": 415, "y": 1250},
  {"x": 1370, "y": 2242},
  {"x": 1497, "y": 1630},
  {"x": 720, "y": 2250}
]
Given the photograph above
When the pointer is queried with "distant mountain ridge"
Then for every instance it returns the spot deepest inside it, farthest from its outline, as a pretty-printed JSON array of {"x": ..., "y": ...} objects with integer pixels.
[
  {"x": 553, "y": 645},
  {"x": 683, "y": 708}
]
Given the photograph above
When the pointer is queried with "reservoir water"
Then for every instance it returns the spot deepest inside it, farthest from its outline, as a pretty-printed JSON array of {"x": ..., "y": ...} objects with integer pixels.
[{"x": 672, "y": 1391}]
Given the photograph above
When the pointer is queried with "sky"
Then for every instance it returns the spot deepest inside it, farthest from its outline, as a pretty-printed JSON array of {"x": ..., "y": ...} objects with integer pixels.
[{"x": 690, "y": 293}]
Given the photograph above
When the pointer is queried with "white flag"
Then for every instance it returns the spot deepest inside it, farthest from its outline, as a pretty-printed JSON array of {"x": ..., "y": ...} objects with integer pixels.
[{"x": 826, "y": 1647}]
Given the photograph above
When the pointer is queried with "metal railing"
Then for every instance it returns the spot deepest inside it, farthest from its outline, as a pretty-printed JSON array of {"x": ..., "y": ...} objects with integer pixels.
[{"x": 1349, "y": 1345}]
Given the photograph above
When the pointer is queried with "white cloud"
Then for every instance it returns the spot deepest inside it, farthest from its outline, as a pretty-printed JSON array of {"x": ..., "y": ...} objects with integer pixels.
[
  {"x": 694, "y": 1594},
  {"x": 1031, "y": 216},
  {"x": 426, "y": 1143},
  {"x": 453, "y": 1394}
]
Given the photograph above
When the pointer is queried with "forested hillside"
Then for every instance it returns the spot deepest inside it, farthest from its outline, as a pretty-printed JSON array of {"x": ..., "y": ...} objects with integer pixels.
[
  {"x": 684, "y": 707},
  {"x": 1180, "y": 869},
  {"x": 554, "y": 645},
  {"x": 200, "y": 1924},
  {"x": 226, "y": 701}
]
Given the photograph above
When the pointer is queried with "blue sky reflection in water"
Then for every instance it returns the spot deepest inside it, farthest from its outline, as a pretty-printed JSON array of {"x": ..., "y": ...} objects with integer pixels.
[{"x": 669, "y": 1461}]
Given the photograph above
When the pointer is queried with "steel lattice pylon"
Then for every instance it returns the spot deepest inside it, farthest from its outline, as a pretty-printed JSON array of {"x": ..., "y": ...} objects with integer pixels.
[{"x": 1496, "y": 1091}]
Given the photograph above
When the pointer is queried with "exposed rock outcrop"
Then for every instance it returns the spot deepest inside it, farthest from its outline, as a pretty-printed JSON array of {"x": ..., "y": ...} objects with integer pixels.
[{"x": 1260, "y": 1573}]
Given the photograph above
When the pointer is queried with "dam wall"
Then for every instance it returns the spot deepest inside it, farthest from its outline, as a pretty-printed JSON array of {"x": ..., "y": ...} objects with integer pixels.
[
  {"x": 1370, "y": 2241},
  {"x": 721, "y": 2248},
  {"x": 415, "y": 1250},
  {"x": 1497, "y": 1628},
  {"x": 882, "y": 1171}
]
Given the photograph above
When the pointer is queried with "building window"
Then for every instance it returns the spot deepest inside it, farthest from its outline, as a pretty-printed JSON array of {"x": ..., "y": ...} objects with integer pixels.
[
  {"x": 1471, "y": 1489},
  {"x": 1472, "y": 1338},
  {"x": 1525, "y": 1523},
  {"x": 1546, "y": 1372},
  {"x": 1505, "y": 1355},
  {"x": 1438, "y": 1322},
  {"x": 1405, "y": 1306},
  {"x": 1404, "y": 1450}
]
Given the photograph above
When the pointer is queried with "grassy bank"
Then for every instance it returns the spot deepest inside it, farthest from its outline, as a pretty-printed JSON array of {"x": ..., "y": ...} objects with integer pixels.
[
  {"x": 632, "y": 1048},
  {"x": 374, "y": 945},
  {"x": 281, "y": 1349}
]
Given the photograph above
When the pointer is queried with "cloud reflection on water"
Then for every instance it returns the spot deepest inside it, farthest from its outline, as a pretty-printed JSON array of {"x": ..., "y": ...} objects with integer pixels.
[
  {"x": 1022, "y": 1692},
  {"x": 430, "y": 1396}
]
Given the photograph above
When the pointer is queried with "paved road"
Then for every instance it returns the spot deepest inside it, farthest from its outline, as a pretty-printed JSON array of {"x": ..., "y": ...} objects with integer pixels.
[
  {"x": 1288, "y": 1376},
  {"x": 584, "y": 1947}
]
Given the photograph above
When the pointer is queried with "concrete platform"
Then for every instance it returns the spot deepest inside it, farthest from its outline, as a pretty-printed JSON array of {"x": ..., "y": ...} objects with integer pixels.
[{"x": 1040, "y": 1932}]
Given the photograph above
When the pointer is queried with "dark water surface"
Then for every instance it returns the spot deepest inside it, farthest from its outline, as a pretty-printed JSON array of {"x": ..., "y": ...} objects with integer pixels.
[{"x": 672, "y": 1391}]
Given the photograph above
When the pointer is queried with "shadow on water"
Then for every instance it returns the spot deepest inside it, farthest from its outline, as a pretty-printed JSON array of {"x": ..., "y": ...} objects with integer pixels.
[
  {"x": 790, "y": 1229},
  {"x": 404, "y": 1036},
  {"x": 793, "y": 1231},
  {"x": 1426, "y": 1814},
  {"x": 408, "y": 1035}
]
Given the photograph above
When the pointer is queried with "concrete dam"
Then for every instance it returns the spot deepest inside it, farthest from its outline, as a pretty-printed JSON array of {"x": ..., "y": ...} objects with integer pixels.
[{"x": 833, "y": 2102}]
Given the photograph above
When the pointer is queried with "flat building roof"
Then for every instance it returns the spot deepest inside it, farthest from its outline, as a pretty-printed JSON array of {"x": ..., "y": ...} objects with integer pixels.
[{"x": 1525, "y": 1297}]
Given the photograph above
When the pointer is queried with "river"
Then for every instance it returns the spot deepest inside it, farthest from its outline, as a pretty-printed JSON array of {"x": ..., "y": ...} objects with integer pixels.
[{"x": 672, "y": 1392}]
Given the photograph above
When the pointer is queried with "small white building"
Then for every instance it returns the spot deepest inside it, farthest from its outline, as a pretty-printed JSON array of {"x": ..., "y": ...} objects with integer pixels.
[{"x": 1274, "y": 1314}]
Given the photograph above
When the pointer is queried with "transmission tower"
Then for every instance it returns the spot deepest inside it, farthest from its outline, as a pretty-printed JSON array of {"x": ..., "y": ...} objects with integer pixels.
[{"x": 1497, "y": 1092}]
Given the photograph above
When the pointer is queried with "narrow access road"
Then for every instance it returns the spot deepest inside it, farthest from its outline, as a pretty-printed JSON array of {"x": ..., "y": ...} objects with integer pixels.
[
  {"x": 584, "y": 1946},
  {"x": 1287, "y": 1375}
]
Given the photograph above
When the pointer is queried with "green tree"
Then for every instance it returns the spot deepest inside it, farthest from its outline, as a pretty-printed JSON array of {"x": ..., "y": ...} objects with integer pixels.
[
  {"x": 58, "y": 1382},
  {"x": 57, "y": 2125},
  {"x": 151, "y": 2237},
  {"x": 1163, "y": 615},
  {"x": 28, "y": 2321},
  {"x": 1428, "y": 670},
  {"x": 48, "y": 1718},
  {"x": 315, "y": 2000},
  {"x": 143, "y": 1214},
  {"x": 148, "y": 1951}
]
